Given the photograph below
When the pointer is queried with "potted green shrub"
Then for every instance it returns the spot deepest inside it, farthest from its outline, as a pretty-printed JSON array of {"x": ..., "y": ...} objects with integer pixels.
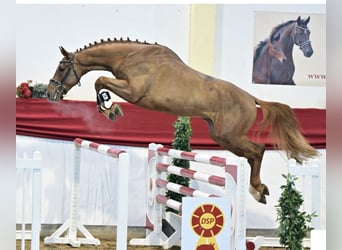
[
  {"x": 181, "y": 141},
  {"x": 294, "y": 224}
]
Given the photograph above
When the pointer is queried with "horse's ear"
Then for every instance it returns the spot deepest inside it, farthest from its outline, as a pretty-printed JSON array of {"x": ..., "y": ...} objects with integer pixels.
[
  {"x": 298, "y": 20},
  {"x": 275, "y": 37},
  {"x": 307, "y": 20},
  {"x": 64, "y": 52}
]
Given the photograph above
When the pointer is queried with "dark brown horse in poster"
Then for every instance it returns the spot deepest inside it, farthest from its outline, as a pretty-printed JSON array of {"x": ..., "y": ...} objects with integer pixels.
[
  {"x": 153, "y": 77},
  {"x": 288, "y": 34}
]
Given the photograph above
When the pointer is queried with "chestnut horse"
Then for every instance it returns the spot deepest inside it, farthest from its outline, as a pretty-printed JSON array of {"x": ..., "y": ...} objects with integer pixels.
[
  {"x": 153, "y": 77},
  {"x": 262, "y": 59}
]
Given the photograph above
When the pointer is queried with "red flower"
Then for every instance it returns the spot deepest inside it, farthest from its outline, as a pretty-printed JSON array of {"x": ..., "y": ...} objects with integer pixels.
[
  {"x": 24, "y": 90},
  {"x": 27, "y": 93},
  {"x": 24, "y": 84}
]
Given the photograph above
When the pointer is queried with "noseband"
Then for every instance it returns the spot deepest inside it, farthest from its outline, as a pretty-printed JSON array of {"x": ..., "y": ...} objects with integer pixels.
[
  {"x": 60, "y": 84},
  {"x": 306, "y": 42}
]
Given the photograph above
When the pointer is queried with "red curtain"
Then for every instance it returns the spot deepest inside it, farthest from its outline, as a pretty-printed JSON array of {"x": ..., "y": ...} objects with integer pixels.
[{"x": 67, "y": 120}]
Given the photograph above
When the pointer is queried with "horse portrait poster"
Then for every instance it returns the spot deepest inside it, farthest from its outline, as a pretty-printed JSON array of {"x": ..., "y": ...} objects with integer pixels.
[{"x": 289, "y": 48}]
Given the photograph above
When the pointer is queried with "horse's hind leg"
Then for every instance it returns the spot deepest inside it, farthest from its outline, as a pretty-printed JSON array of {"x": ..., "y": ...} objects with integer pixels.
[
  {"x": 243, "y": 147},
  {"x": 257, "y": 189}
]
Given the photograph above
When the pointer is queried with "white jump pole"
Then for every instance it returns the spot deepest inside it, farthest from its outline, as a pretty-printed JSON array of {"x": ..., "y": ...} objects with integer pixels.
[
  {"x": 232, "y": 185},
  {"x": 35, "y": 165},
  {"x": 73, "y": 223}
]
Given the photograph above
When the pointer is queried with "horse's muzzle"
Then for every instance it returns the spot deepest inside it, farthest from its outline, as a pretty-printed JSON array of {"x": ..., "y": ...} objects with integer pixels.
[
  {"x": 306, "y": 49},
  {"x": 308, "y": 53},
  {"x": 55, "y": 96},
  {"x": 55, "y": 91},
  {"x": 49, "y": 97}
]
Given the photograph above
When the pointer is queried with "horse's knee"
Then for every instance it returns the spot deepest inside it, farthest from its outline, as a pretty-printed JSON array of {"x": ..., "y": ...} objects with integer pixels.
[{"x": 99, "y": 83}]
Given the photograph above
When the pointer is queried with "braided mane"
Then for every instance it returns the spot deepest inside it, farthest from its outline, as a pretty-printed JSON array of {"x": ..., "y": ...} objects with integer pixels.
[{"x": 110, "y": 41}]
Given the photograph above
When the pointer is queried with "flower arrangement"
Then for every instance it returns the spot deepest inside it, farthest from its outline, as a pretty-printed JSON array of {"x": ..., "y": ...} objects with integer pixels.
[
  {"x": 24, "y": 90},
  {"x": 29, "y": 90}
]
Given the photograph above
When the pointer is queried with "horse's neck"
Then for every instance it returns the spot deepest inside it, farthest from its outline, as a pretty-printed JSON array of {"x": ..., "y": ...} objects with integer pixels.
[
  {"x": 287, "y": 41},
  {"x": 104, "y": 57}
]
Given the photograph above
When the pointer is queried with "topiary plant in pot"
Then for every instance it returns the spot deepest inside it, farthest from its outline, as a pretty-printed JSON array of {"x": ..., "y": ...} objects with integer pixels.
[
  {"x": 294, "y": 224},
  {"x": 181, "y": 141}
]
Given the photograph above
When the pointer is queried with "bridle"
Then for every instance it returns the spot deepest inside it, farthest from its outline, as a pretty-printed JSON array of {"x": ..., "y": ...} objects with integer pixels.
[
  {"x": 306, "y": 42},
  {"x": 60, "y": 84}
]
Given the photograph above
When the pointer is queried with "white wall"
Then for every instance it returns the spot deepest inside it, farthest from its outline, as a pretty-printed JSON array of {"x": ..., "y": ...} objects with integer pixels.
[{"x": 42, "y": 28}]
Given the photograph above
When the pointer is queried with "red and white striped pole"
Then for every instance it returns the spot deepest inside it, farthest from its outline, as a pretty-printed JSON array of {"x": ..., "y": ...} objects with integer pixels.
[
  {"x": 122, "y": 185},
  {"x": 73, "y": 223},
  {"x": 232, "y": 185}
]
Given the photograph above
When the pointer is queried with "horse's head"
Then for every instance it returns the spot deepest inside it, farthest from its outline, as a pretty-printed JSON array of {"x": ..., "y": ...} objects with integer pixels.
[
  {"x": 302, "y": 36},
  {"x": 65, "y": 77},
  {"x": 275, "y": 48}
]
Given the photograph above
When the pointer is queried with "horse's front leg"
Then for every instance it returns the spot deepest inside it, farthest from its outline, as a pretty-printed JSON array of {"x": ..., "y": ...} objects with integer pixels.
[
  {"x": 113, "y": 111},
  {"x": 112, "y": 84}
]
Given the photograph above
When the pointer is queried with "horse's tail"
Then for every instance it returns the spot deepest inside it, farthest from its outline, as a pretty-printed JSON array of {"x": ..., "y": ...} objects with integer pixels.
[{"x": 284, "y": 130}]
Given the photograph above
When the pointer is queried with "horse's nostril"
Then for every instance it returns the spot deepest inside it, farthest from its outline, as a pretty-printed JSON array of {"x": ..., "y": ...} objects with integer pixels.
[{"x": 309, "y": 53}]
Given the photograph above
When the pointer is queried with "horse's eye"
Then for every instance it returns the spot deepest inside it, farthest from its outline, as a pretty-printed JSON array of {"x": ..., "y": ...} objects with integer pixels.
[
  {"x": 304, "y": 33},
  {"x": 63, "y": 64},
  {"x": 62, "y": 67}
]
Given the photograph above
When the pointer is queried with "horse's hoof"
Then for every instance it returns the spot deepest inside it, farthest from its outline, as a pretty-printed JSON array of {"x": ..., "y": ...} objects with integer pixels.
[
  {"x": 263, "y": 199},
  {"x": 112, "y": 116},
  {"x": 259, "y": 194},
  {"x": 266, "y": 191},
  {"x": 118, "y": 110}
]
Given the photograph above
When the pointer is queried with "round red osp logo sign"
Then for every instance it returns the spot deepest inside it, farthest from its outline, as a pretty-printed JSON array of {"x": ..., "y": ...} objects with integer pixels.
[{"x": 207, "y": 221}]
